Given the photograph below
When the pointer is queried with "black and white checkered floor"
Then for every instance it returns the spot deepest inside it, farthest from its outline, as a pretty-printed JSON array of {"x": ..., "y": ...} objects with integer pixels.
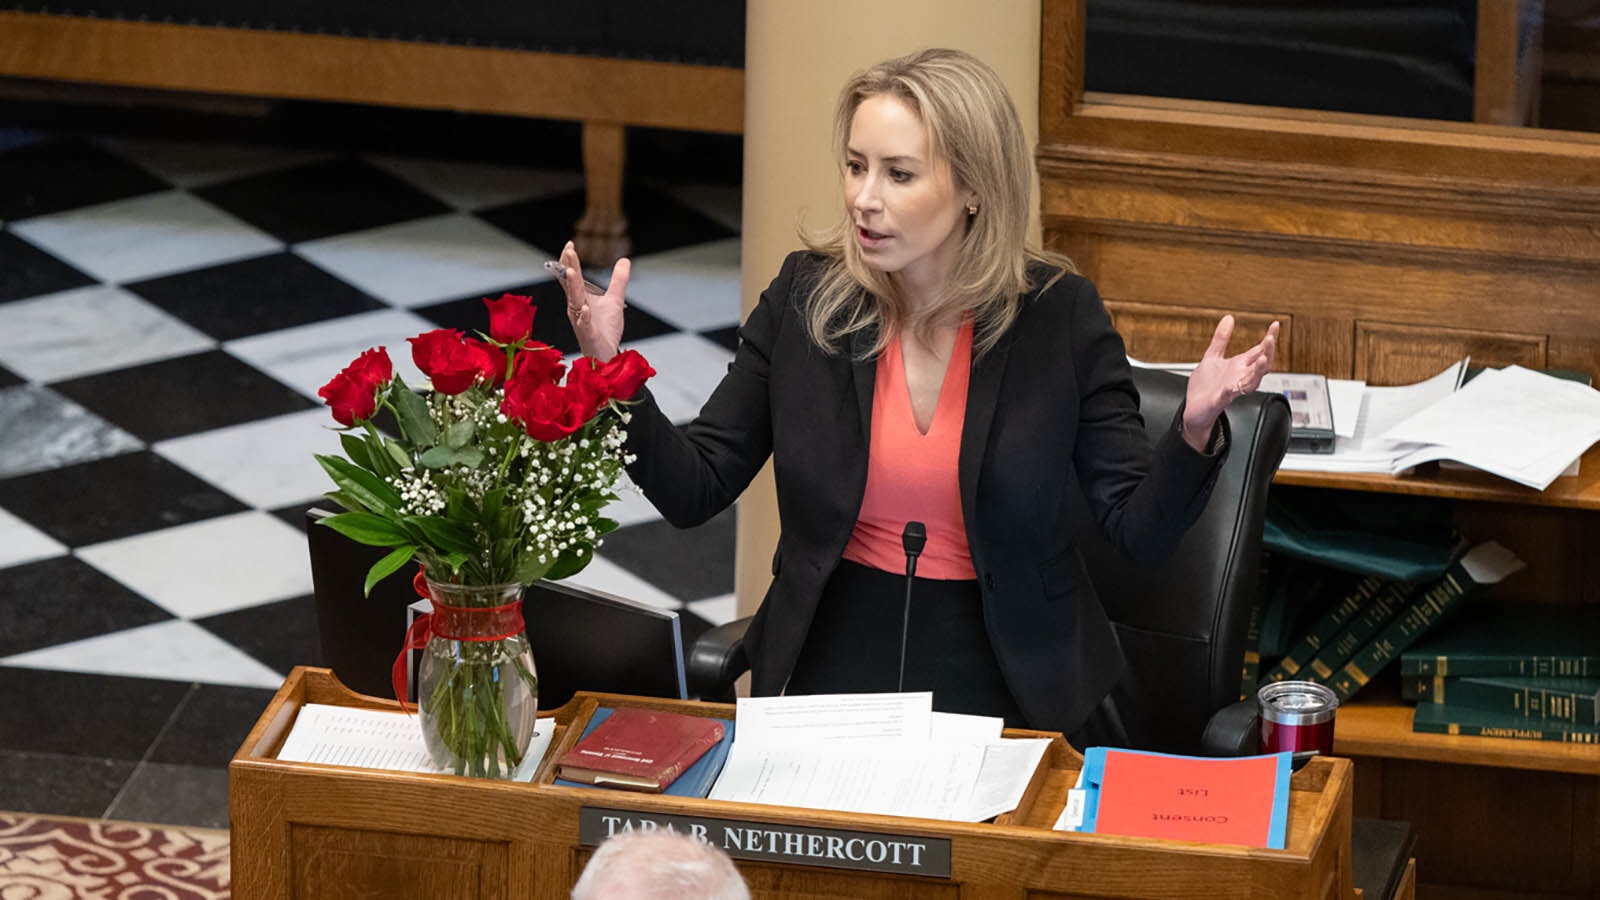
[{"x": 168, "y": 309}]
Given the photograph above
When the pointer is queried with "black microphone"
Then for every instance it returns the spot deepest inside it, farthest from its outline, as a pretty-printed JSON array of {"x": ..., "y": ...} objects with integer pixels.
[{"x": 912, "y": 540}]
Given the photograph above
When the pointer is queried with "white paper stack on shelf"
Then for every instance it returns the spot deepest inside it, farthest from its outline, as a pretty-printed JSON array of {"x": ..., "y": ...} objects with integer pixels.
[
  {"x": 1516, "y": 423},
  {"x": 380, "y": 739}
]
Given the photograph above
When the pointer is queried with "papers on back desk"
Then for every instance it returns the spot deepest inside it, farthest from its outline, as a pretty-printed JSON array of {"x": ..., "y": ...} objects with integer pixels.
[
  {"x": 875, "y": 753},
  {"x": 1513, "y": 422}
]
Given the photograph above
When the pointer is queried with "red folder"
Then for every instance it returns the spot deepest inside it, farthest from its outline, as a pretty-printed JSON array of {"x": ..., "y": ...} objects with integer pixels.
[{"x": 1237, "y": 800}]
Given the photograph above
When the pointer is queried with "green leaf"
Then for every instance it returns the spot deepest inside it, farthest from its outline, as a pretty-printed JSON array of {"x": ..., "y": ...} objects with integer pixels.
[
  {"x": 355, "y": 447},
  {"x": 367, "y": 488},
  {"x": 447, "y": 536},
  {"x": 401, "y": 458},
  {"x": 531, "y": 569},
  {"x": 571, "y": 562},
  {"x": 411, "y": 411},
  {"x": 346, "y": 501},
  {"x": 602, "y": 525},
  {"x": 383, "y": 568},
  {"x": 460, "y": 433},
  {"x": 366, "y": 528},
  {"x": 445, "y": 457}
]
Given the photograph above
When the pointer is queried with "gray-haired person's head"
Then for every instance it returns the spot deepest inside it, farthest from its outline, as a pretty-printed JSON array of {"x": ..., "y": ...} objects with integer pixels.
[{"x": 659, "y": 865}]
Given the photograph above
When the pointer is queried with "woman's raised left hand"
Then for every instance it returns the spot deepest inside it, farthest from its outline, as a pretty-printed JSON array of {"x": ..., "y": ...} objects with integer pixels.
[{"x": 1218, "y": 380}]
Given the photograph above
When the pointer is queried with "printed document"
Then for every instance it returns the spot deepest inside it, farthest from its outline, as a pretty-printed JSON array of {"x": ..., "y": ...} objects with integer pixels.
[
  {"x": 379, "y": 739},
  {"x": 888, "y": 754}
]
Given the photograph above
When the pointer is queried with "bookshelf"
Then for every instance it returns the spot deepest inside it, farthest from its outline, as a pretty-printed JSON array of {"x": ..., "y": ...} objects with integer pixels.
[{"x": 1579, "y": 492}]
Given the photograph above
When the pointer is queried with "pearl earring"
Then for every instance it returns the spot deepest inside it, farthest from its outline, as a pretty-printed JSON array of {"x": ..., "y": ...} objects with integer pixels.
[{"x": 972, "y": 209}]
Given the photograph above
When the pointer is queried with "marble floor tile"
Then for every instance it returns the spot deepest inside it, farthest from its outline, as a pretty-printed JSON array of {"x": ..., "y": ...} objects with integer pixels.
[
  {"x": 308, "y": 356},
  {"x": 58, "y": 172},
  {"x": 279, "y": 635},
  {"x": 688, "y": 367},
  {"x": 603, "y": 575},
  {"x": 255, "y": 295},
  {"x": 428, "y": 260},
  {"x": 60, "y": 784},
  {"x": 183, "y": 395},
  {"x": 63, "y": 599},
  {"x": 105, "y": 499},
  {"x": 687, "y": 563},
  {"x": 27, "y": 271},
  {"x": 146, "y": 236},
  {"x": 307, "y": 202},
  {"x": 266, "y": 463},
  {"x": 41, "y": 430},
  {"x": 84, "y": 715},
  {"x": 194, "y": 796},
  {"x": 192, "y": 164},
  {"x": 720, "y": 202},
  {"x": 176, "y": 651},
  {"x": 87, "y": 330},
  {"x": 695, "y": 288},
  {"x": 716, "y": 610},
  {"x": 22, "y": 543},
  {"x": 469, "y": 186},
  {"x": 210, "y": 725},
  {"x": 208, "y": 567}
]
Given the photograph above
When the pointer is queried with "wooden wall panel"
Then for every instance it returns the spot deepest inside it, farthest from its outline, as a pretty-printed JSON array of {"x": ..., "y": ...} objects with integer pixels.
[
  {"x": 1162, "y": 334},
  {"x": 1386, "y": 353}
]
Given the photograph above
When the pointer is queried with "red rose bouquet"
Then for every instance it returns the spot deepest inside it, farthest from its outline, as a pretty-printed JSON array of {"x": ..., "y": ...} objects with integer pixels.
[
  {"x": 496, "y": 477},
  {"x": 499, "y": 472}
]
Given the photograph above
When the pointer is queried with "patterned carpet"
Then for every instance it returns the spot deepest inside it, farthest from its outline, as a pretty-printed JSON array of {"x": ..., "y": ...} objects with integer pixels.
[{"x": 57, "y": 858}]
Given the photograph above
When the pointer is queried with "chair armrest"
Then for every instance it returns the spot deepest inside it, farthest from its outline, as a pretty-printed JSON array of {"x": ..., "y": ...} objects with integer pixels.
[
  {"x": 1234, "y": 730},
  {"x": 716, "y": 660}
]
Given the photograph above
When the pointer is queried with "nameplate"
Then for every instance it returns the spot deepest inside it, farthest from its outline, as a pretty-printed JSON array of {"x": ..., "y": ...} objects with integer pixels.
[{"x": 869, "y": 851}]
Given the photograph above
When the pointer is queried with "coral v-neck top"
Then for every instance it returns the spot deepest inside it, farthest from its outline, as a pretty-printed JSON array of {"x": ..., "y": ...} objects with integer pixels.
[{"x": 911, "y": 476}]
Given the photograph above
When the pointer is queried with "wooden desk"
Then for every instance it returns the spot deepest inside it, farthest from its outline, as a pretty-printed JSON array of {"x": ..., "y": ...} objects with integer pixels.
[{"x": 307, "y": 831}]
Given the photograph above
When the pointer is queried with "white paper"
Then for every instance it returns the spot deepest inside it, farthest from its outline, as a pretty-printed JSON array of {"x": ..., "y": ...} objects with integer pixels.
[
  {"x": 960, "y": 728},
  {"x": 378, "y": 739},
  {"x": 817, "y": 717},
  {"x": 1008, "y": 766},
  {"x": 1514, "y": 422},
  {"x": 1071, "y": 818},
  {"x": 888, "y": 754},
  {"x": 889, "y": 777},
  {"x": 1380, "y": 408}
]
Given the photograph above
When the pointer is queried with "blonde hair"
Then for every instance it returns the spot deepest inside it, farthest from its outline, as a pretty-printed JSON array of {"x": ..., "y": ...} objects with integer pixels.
[{"x": 972, "y": 125}]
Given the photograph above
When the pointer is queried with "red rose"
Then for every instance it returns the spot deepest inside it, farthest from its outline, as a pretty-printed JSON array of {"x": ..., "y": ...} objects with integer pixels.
[
  {"x": 352, "y": 395},
  {"x": 510, "y": 318},
  {"x": 625, "y": 373},
  {"x": 454, "y": 363},
  {"x": 588, "y": 386},
  {"x": 539, "y": 363},
  {"x": 547, "y": 412}
]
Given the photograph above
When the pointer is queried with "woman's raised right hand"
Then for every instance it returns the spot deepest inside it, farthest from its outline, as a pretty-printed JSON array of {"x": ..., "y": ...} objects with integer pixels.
[{"x": 596, "y": 319}]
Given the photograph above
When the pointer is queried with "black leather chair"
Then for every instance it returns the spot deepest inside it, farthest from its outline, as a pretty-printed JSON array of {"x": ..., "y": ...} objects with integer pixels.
[{"x": 1182, "y": 625}]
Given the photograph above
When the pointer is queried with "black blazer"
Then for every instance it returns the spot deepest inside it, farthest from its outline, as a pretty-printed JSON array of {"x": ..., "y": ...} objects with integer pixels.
[{"x": 1052, "y": 397}]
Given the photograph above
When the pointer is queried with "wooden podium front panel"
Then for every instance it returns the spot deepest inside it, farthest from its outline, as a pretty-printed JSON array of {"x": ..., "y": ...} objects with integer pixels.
[
  {"x": 327, "y": 861},
  {"x": 309, "y": 831}
]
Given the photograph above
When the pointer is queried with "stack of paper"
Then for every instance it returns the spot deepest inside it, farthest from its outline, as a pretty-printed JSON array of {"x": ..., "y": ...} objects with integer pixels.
[
  {"x": 1227, "y": 800},
  {"x": 1513, "y": 422},
  {"x": 889, "y": 754},
  {"x": 379, "y": 739}
]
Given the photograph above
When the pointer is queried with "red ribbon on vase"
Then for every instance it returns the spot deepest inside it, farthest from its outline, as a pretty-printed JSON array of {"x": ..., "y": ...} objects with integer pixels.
[{"x": 456, "y": 623}]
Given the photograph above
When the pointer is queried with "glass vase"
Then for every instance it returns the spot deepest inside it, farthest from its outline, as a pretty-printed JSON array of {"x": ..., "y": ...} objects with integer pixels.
[{"x": 477, "y": 688}]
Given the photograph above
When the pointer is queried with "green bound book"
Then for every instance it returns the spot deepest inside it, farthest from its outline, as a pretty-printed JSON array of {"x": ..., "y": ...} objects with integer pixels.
[
  {"x": 1385, "y": 605},
  {"x": 1326, "y": 629},
  {"x": 1534, "y": 640},
  {"x": 1575, "y": 700},
  {"x": 1251, "y": 672},
  {"x": 1485, "y": 564},
  {"x": 1446, "y": 718}
]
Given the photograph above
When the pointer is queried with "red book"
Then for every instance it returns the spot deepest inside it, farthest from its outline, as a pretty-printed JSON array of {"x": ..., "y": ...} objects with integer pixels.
[{"x": 639, "y": 749}]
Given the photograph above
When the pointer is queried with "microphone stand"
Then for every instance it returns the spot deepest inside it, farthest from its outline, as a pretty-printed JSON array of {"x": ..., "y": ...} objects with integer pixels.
[{"x": 912, "y": 539}]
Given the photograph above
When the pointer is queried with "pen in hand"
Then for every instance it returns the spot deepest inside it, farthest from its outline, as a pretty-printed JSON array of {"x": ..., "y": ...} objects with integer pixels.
[{"x": 560, "y": 271}]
